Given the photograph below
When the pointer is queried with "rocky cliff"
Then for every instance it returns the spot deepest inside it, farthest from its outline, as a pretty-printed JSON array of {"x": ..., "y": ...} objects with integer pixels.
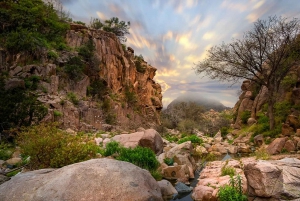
[
  {"x": 109, "y": 91},
  {"x": 253, "y": 100}
]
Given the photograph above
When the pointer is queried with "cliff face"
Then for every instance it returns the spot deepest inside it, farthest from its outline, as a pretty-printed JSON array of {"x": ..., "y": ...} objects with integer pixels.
[{"x": 130, "y": 98}]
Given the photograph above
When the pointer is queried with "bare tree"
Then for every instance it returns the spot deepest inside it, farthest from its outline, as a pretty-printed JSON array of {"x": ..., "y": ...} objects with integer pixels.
[{"x": 264, "y": 55}]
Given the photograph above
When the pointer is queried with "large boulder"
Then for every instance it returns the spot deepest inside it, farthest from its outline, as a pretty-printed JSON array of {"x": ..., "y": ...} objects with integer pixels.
[
  {"x": 167, "y": 189},
  {"x": 96, "y": 179},
  {"x": 149, "y": 138},
  {"x": 276, "y": 146},
  {"x": 278, "y": 180}
]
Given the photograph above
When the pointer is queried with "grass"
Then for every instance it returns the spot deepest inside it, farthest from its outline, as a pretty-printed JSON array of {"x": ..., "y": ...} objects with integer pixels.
[{"x": 227, "y": 170}]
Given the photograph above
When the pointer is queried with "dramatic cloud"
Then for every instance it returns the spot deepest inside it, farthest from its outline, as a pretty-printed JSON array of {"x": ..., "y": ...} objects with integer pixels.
[{"x": 174, "y": 35}]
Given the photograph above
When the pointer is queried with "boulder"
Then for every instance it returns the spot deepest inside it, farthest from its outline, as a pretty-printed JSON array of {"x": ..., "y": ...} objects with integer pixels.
[
  {"x": 186, "y": 147},
  {"x": 167, "y": 189},
  {"x": 287, "y": 130},
  {"x": 259, "y": 140},
  {"x": 289, "y": 146},
  {"x": 200, "y": 150},
  {"x": 3, "y": 179},
  {"x": 179, "y": 172},
  {"x": 96, "y": 179},
  {"x": 278, "y": 180},
  {"x": 149, "y": 138},
  {"x": 182, "y": 188},
  {"x": 203, "y": 193},
  {"x": 276, "y": 146}
]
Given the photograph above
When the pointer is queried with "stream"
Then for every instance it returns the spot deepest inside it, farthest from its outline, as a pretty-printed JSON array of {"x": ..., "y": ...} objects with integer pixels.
[{"x": 193, "y": 183}]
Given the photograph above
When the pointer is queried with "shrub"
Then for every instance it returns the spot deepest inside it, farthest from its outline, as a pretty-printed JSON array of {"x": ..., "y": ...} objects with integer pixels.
[
  {"x": 224, "y": 131},
  {"x": 57, "y": 113},
  {"x": 140, "y": 156},
  {"x": 193, "y": 138},
  {"x": 232, "y": 192},
  {"x": 111, "y": 118},
  {"x": 171, "y": 138},
  {"x": 5, "y": 152},
  {"x": 169, "y": 161},
  {"x": 138, "y": 64},
  {"x": 74, "y": 68},
  {"x": 49, "y": 146},
  {"x": 225, "y": 170},
  {"x": 87, "y": 50},
  {"x": 245, "y": 116},
  {"x": 111, "y": 148},
  {"x": 73, "y": 98},
  {"x": 52, "y": 55},
  {"x": 156, "y": 175},
  {"x": 187, "y": 125},
  {"x": 130, "y": 96}
]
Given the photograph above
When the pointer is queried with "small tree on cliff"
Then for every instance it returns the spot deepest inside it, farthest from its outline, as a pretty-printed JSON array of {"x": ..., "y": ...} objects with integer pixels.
[
  {"x": 114, "y": 25},
  {"x": 264, "y": 55}
]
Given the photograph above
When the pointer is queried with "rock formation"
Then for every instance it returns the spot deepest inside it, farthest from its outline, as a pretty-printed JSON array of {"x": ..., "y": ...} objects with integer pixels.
[
  {"x": 96, "y": 179},
  {"x": 130, "y": 98}
]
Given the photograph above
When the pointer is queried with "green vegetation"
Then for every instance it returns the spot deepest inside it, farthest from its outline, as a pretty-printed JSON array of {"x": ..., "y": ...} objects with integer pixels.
[
  {"x": 232, "y": 192},
  {"x": 130, "y": 96},
  {"x": 57, "y": 113},
  {"x": 97, "y": 89},
  {"x": 30, "y": 25},
  {"x": 48, "y": 146},
  {"x": 73, "y": 98},
  {"x": 245, "y": 116},
  {"x": 224, "y": 131},
  {"x": 5, "y": 151},
  {"x": 193, "y": 138},
  {"x": 227, "y": 170},
  {"x": 169, "y": 161},
  {"x": 113, "y": 25},
  {"x": 20, "y": 106},
  {"x": 74, "y": 68},
  {"x": 138, "y": 61},
  {"x": 140, "y": 156}
]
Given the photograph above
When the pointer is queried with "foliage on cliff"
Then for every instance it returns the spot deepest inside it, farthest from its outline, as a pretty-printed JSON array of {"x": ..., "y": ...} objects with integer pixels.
[{"x": 30, "y": 26}]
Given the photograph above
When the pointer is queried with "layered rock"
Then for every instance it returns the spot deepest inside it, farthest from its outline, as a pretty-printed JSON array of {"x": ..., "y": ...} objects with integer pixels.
[{"x": 96, "y": 179}]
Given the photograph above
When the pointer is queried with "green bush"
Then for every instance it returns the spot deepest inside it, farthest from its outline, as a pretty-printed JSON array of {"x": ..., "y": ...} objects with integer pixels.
[
  {"x": 193, "y": 138},
  {"x": 245, "y": 116},
  {"x": 74, "y": 68},
  {"x": 171, "y": 138},
  {"x": 169, "y": 161},
  {"x": 49, "y": 146},
  {"x": 52, "y": 55},
  {"x": 57, "y": 113},
  {"x": 87, "y": 50},
  {"x": 30, "y": 26},
  {"x": 138, "y": 64},
  {"x": 111, "y": 148},
  {"x": 140, "y": 156},
  {"x": 224, "y": 131},
  {"x": 232, "y": 192},
  {"x": 130, "y": 96},
  {"x": 5, "y": 151},
  {"x": 73, "y": 98},
  {"x": 225, "y": 170}
]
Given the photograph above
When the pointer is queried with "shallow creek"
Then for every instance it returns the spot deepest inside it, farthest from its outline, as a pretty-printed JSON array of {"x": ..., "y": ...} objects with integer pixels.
[{"x": 193, "y": 183}]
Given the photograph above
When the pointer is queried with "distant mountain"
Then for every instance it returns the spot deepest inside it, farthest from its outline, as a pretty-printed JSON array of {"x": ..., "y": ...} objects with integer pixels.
[{"x": 206, "y": 103}]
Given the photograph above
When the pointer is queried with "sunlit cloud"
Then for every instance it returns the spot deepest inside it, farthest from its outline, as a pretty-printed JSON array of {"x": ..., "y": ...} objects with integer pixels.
[
  {"x": 252, "y": 17},
  {"x": 185, "y": 41},
  {"x": 258, "y": 4},
  {"x": 101, "y": 15},
  {"x": 208, "y": 35},
  {"x": 167, "y": 73},
  {"x": 241, "y": 7}
]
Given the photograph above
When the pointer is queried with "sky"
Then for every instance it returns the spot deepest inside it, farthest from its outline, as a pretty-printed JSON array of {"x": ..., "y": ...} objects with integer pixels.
[{"x": 174, "y": 35}]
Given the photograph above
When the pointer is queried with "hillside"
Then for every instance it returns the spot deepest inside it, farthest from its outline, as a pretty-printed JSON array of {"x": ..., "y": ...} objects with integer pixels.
[
  {"x": 84, "y": 78},
  {"x": 206, "y": 103}
]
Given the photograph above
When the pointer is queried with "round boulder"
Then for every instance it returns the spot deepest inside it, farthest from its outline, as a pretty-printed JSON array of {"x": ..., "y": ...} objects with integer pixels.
[{"x": 96, "y": 179}]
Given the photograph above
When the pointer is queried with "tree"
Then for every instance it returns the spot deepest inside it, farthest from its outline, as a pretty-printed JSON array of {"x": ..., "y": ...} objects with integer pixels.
[
  {"x": 264, "y": 55},
  {"x": 119, "y": 28}
]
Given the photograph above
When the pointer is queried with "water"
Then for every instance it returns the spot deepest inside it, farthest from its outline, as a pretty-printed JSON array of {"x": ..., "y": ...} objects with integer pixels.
[{"x": 193, "y": 182}]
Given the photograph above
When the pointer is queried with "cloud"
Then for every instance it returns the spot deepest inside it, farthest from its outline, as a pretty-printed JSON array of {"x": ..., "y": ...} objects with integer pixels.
[
  {"x": 185, "y": 41},
  {"x": 101, "y": 15},
  {"x": 240, "y": 7},
  {"x": 209, "y": 35}
]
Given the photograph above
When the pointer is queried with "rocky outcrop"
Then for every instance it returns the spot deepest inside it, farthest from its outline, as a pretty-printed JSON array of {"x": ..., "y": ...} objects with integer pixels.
[
  {"x": 148, "y": 138},
  {"x": 96, "y": 179},
  {"x": 211, "y": 180},
  {"x": 133, "y": 98},
  {"x": 274, "y": 180}
]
